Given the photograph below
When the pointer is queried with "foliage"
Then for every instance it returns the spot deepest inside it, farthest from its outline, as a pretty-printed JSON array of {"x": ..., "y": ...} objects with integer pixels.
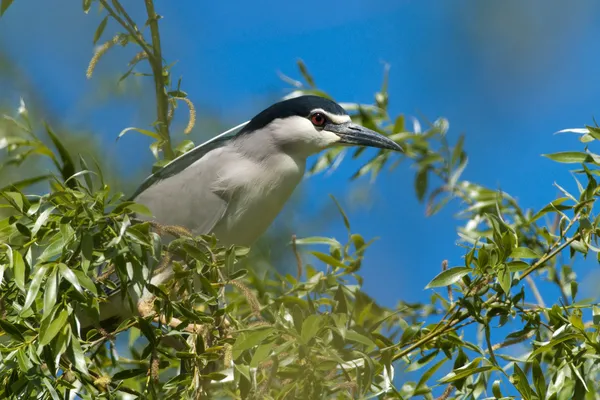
[{"x": 225, "y": 331}]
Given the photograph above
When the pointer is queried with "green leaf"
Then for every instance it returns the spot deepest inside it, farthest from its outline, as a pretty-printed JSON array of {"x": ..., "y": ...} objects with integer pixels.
[
  {"x": 421, "y": 362},
  {"x": 576, "y": 320},
  {"x": 596, "y": 315},
  {"x": 41, "y": 220},
  {"x": 310, "y": 327},
  {"x": 142, "y": 131},
  {"x": 215, "y": 376},
  {"x": 22, "y": 184},
  {"x": 129, "y": 373},
  {"x": 247, "y": 340},
  {"x": 34, "y": 286},
  {"x": 468, "y": 370},
  {"x": 55, "y": 247},
  {"x": 553, "y": 343},
  {"x": 519, "y": 380},
  {"x": 67, "y": 169},
  {"x": 421, "y": 183},
  {"x": 4, "y": 6},
  {"x": 569, "y": 157},
  {"x": 84, "y": 173},
  {"x": 539, "y": 380},
  {"x": 505, "y": 279},
  {"x": 429, "y": 373},
  {"x": 262, "y": 352},
  {"x": 86, "y": 177},
  {"x": 11, "y": 330},
  {"x": 524, "y": 252},
  {"x": 80, "y": 363},
  {"x": 50, "y": 292},
  {"x": 341, "y": 210},
  {"x": 15, "y": 199},
  {"x": 516, "y": 266},
  {"x": 399, "y": 125},
  {"x": 87, "y": 250},
  {"x": 178, "y": 93},
  {"x": 593, "y": 131},
  {"x": 448, "y": 277},
  {"x": 304, "y": 71},
  {"x": 184, "y": 146},
  {"x": 553, "y": 206},
  {"x": 49, "y": 329},
  {"x": 458, "y": 149},
  {"x": 18, "y": 269},
  {"x": 100, "y": 29},
  {"x": 86, "y": 5},
  {"x": 330, "y": 260},
  {"x": 318, "y": 240},
  {"x": 496, "y": 390},
  {"x": 51, "y": 389},
  {"x": 354, "y": 336}
]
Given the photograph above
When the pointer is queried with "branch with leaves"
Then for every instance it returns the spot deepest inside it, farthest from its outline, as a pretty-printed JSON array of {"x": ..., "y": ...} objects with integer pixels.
[{"x": 311, "y": 334}]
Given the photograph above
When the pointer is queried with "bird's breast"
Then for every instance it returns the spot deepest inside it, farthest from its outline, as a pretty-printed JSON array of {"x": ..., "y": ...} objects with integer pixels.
[{"x": 261, "y": 191}]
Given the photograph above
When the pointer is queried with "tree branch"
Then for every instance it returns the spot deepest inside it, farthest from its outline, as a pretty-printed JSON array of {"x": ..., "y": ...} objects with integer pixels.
[{"x": 162, "y": 101}]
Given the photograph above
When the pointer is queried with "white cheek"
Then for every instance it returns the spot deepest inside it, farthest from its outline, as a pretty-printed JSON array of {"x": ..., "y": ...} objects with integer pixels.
[{"x": 328, "y": 138}]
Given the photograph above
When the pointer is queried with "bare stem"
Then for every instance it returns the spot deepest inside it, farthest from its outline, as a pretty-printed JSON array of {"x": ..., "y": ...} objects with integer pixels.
[
  {"x": 549, "y": 256},
  {"x": 162, "y": 100}
]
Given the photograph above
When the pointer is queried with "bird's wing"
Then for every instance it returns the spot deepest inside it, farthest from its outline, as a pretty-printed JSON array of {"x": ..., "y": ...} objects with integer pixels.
[
  {"x": 185, "y": 160},
  {"x": 183, "y": 192},
  {"x": 179, "y": 164}
]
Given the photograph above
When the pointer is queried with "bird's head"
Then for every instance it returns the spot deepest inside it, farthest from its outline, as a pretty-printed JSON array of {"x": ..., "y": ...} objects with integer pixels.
[{"x": 309, "y": 124}]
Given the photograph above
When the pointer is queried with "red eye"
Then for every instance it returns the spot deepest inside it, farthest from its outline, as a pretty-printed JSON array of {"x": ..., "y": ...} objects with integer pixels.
[{"x": 318, "y": 119}]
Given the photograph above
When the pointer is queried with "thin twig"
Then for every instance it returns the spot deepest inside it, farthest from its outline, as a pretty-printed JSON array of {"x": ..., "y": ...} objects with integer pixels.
[
  {"x": 446, "y": 394},
  {"x": 548, "y": 256},
  {"x": 510, "y": 342}
]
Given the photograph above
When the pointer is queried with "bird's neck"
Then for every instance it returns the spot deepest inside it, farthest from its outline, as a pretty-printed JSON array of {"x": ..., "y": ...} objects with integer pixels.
[{"x": 271, "y": 149}]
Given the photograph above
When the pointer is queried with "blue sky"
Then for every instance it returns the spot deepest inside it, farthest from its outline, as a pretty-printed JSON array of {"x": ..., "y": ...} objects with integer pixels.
[{"x": 507, "y": 76}]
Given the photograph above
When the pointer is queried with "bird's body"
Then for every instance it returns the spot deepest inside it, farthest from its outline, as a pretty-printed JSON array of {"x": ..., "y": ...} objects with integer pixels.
[
  {"x": 235, "y": 187},
  {"x": 234, "y": 191}
]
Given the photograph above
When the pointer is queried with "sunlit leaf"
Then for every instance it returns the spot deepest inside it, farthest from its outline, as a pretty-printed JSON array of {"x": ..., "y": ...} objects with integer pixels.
[
  {"x": 50, "y": 328},
  {"x": 50, "y": 292},
  {"x": 310, "y": 326},
  {"x": 569, "y": 157},
  {"x": 34, "y": 286},
  {"x": 448, "y": 277},
  {"x": 524, "y": 252},
  {"x": 142, "y": 131}
]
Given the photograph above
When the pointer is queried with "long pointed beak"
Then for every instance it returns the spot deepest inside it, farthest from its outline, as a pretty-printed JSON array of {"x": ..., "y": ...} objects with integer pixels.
[{"x": 354, "y": 134}]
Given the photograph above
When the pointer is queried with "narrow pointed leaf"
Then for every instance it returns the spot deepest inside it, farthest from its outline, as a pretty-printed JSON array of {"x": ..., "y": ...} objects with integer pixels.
[
  {"x": 448, "y": 277},
  {"x": 34, "y": 286}
]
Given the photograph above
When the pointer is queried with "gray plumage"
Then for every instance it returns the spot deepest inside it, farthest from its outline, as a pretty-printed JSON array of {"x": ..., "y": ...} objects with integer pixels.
[{"x": 234, "y": 187}]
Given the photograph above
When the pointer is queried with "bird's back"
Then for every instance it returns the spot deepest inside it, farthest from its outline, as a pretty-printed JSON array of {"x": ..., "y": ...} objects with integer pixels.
[{"x": 228, "y": 191}]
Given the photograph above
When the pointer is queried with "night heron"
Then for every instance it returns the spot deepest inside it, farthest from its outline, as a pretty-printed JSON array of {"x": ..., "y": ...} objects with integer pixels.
[{"x": 235, "y": 186}]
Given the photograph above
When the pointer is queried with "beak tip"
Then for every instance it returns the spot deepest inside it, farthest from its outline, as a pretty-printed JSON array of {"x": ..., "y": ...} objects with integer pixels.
[{"x": 398, "y": 148}]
